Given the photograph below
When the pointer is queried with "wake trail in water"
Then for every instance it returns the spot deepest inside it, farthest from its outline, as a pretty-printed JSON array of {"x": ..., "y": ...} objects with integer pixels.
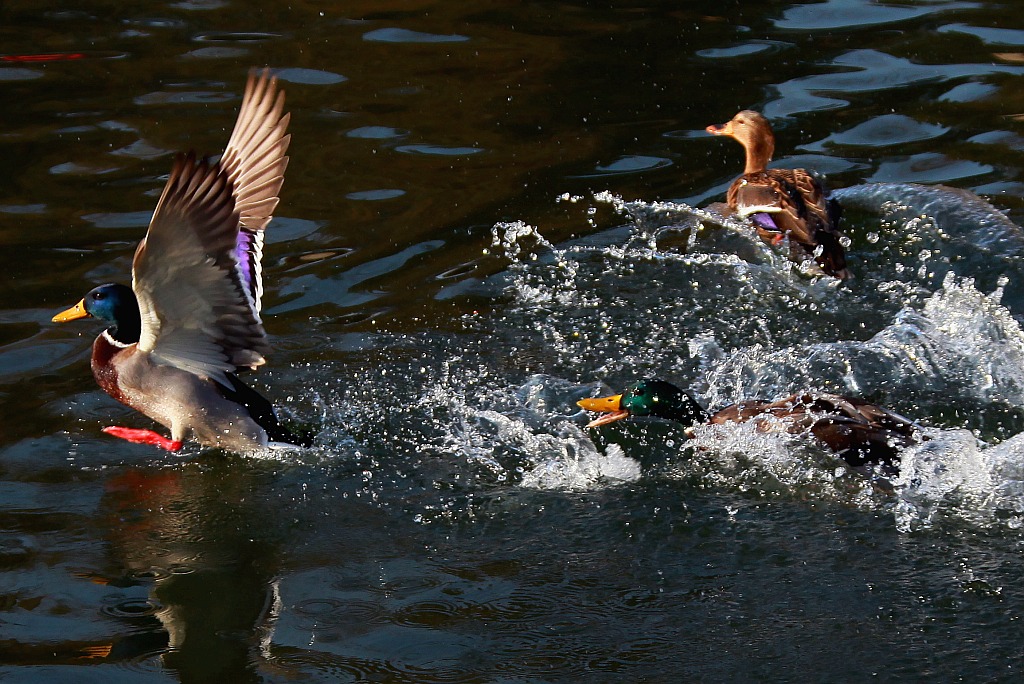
[{"x": 683, "y": 294}]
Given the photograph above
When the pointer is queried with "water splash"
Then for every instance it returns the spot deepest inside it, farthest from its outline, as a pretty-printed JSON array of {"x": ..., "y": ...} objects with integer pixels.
[
  {"x": 527, "y": 435},
  {"x": 686, "y": 294},
  {"x": 926, "y": 232},
  {"x": 762, "y": 458},
  {"x": 962, "y": 342}
]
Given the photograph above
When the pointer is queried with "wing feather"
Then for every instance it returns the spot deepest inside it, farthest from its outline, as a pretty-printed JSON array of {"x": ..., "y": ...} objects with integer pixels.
[
  {"x": 799, "y": 208},
  {"x": 255, "y": 160},
  {"x": 197, "y": 274},
  {"x": 861, "y": 433},
  {"x": 195, "y": 312}
]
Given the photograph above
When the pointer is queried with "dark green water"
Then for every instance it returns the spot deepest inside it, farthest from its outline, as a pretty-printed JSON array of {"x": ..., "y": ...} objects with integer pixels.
[{"x": 489, "y": 212}]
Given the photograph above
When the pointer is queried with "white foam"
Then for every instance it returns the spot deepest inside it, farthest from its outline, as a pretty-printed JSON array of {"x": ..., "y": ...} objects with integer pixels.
[
  {"x": 962, "y": 341},
  {"x": 528, "y": 435},
  {"x": 583, "y": 471}
]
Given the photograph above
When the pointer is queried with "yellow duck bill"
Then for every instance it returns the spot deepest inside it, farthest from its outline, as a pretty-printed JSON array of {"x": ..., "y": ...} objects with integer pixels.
[
  {"x": 610, "y": 406},
  {"x": 72, "y": 314}
]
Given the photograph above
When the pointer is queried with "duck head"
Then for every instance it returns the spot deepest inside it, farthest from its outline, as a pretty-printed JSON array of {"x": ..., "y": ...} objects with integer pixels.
[
  {"x": 114, "y": 303},
  {"x": 753, "y": 131},
  {"x": 655, "y": 398}
]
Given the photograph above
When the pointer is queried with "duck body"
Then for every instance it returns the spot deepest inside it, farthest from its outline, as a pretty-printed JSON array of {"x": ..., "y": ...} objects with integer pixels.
[
  {"x": 783, "y": 203},
  {"x": 191, "y": 319},
  {"x": 236, "y": 418},
  {"x": 860, "y": 433}
]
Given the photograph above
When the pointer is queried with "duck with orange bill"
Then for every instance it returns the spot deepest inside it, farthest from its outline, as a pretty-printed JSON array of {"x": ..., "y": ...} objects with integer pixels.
[{"x": 860, "y": 433}]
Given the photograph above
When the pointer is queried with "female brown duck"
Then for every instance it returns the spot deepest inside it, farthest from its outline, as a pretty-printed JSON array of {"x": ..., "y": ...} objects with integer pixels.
[{"x": 783, "y": 202}]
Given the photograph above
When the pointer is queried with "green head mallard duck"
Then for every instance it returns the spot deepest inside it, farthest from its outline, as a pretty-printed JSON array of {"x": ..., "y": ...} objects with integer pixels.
[
  {"x": 783, "y": 202},
  {"x": 860, "y": 433},
  {"x": 191, "y": 318}
]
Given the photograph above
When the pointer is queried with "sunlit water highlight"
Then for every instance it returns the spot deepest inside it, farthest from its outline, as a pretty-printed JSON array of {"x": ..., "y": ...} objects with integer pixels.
[{"x": 458, "y": 257}]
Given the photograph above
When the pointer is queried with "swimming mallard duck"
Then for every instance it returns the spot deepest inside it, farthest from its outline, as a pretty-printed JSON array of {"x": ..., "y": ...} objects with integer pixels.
[
  {"x": 191, "y": 318},
  {"x": 860, "y": 433},
  {"x": 783, "y": 202}
]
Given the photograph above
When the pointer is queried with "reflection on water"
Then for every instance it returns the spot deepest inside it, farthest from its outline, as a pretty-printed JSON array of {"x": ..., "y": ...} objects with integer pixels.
[{"x": 490, "y": 213}]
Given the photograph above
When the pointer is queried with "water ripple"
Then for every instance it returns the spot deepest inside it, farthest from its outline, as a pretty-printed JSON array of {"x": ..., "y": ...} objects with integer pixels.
[
  {"x": 23, "y": 209},
  {"x": 746, "y": 49},
  {"x": 455, "y": 272},
  {"x": 835, "y": 15},
  {"x": 867, "y": 71},
  {"x": 990, "y": 36},
  {"x": 400, "y": 35},
  {"x": 377, "y": 132},
  {"x": 140, "y": 149},
  {"x": 375, "y": 195},
  {"x": 929, "y": 167},
  {"x": 132, "y": 608},
  {"x": 156, "y": 22},
  {"x": 217, "y": 53},
  {"x": 199, "y": 5},
  {"x": 311, "y": 289},
  {"x": 359, "y": 614},
  {"x": 19, "y": 74},
  {"x": 235, "y": 37},
  {"x": 187, "y": 97},
  {"x": 1006, "y": 139},
  {"x": 969, "y": 92},
  {"x": 83, "y": 169},
  {"x": 438, "y": 150},
  {"x": 128, "y": 219},
  {"x": 881, "y": 131},
  {"x": 633, "y": 164},
  {"x": 309, "y": 76}
]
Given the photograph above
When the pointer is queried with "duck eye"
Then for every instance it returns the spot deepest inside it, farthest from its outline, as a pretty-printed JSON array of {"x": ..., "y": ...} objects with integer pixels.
[{"x": 98, "y": 295}]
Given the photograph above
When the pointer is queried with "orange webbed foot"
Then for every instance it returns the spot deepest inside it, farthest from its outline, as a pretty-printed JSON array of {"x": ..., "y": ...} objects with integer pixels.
[{"x": 142, "y": 436}]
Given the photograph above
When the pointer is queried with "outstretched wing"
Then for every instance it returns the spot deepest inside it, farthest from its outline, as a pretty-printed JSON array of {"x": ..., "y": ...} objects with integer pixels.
[
  {"x": 255, "y": 160},
  {"x": 197, "y": 273},
  {"x": 196, "y": 314}
]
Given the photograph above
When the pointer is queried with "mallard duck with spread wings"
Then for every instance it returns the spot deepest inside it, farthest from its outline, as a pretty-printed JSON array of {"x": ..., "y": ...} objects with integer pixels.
[
  {"x": 191, "y": 318},
  {"x": 783, "y": 202},
  {"x": 860, "y": 433}
]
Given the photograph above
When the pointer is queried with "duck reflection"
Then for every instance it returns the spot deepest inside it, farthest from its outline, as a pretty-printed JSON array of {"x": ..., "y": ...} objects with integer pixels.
[{"x": 207, "y": 550}]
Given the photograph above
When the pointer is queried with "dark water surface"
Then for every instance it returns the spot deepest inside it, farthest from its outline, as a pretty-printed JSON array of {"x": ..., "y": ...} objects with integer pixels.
[{"x": 490, "y": 211}]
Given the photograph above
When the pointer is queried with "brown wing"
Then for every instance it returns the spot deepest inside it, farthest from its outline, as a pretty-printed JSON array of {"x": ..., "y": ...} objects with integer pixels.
[
  {"x": 859, "y": 432},
  {"x": 798, "y": 206},
  {"x": 751, "y": 197}
]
